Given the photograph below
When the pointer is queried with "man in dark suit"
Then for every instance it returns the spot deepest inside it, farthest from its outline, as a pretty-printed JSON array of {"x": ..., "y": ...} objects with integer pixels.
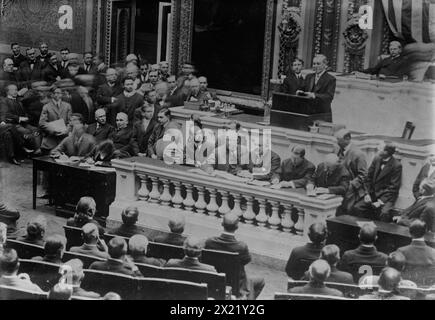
[
  {"x": 52, "y": 70},
  {"x": 294, "y": 80},
  {"x": 382, "y": 187},
  {"x": 107, "y": 93},
  {"x": 192, "y": 250},
  {"x": 16, "y": 56},
  {"x": 296, "y": 171},
  {"x": 44, "y": 54},
  {"x": 318, "y": 272},
  {"x": 77, "y": 278},
  {"x": 366, "y": 254},
  {"x": 249, "y": 286},
  {"x": 355, "y": 162},
  {"x": 145, "y": 127},
  {"x": 54, "y": 248},
  {"x": 64, "y": 54},
  {"x": 331, "y": 177},
  {"x": 128, "y": 228},
  {"x": 118, "y": 261},
  {"x": 393, "y": 65},
  {"x": 100, "y": 130},
  {"x": 78, "y": 143},
  {"x": 88, "y": 66},
  {"x": 129, "y": 100},
  {"x": 7, "y": 76},
  {"x": 418, "y": 253},
  {"x": 320, "y": 86},
  {"x": 31, "y": 69},
  {"x": 301, "y": 257},
  {"x": 176, "y": 225},
  {"x": 138, "y": 247},
  {"x": 92, "y": 244},
  {"x": 124, "y": 138},
  {"x": 331, "y": 254},
  {"x": 423, "y": 208},
  {"x": 426, "y": 172}
]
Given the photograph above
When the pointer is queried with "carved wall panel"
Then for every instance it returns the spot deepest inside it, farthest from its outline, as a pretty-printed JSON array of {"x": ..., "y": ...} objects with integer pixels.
[{"x": 30, "y": 22}]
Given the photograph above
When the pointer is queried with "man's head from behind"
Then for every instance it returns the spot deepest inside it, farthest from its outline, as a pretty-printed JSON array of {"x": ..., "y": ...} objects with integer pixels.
[
  {"x": 417, "y": 229},
  {"x": 318, "y": 233},
  {"x": 331, "y": 254},
  {"x": 427, "y": 187},
  {"x": 193, "y": 247},
  {"x": 55, "y": 246},
  {"x": 388, "y": 151},
  {"x": 368, "y": 234},
  {"x": 86, "y": 207},
  {"x": 117, "y": 248},
  {"x": 319, "y": 271},
  {"x": 36, "y": 228},
  {"x": 230, "y": 222},
  {"x": 90, "y": 233},
  {"x": 9, "y": 263},
  {"x": 177, "y": 223},
  {"x": 138, "y": 245},
  {"x": 129, "y": 215},
  {"x": 389, "y": 279},
  {"x": 396, "y": 260}
]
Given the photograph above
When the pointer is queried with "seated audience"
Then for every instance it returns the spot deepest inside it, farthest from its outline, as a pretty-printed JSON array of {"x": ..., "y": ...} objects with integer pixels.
[
  {"x": 192, "y": 250},
  {"x": 118, "y": 262},
  {"x": 164, "y": 124},
  {"x": 331, "y": 177},
  {"x": 422, "y": 209},
  {"x": 331, "y": 254},
  {"x": 78, "y": 143},
  {"x": 296, "y": 171},
  {"x": 103, "y": 154},
  {"x": 124, "y": 138},
  {"x": 382, "y": 187},
  {"x": 128, "y": 228},
  {"x": 250, "y": 287},
  {"x": 76, "y": 266},
  {"x": 9, "y": 266},
  {"x": 366, "y": 254},
  {"x": 36, "y": 228},
  {"x": 301, "y": 257},
  {"x": 388, "y": 282},
  {"x": 9, "y": 217},
  {"x": 54, "y": 248},
  {"x": 138, "y": 247},
  {"x": 85, "y": 212},
  {"x": 318, "y": 272},
  {"x": 176, "y": 225},
  {"x": 427, "y": 172},
  {"x": 92, "y": 244},
  {"x": 101, "y": 129},
  {"x": 418, "y": 253},
  {"x": 392, "y": 65}
]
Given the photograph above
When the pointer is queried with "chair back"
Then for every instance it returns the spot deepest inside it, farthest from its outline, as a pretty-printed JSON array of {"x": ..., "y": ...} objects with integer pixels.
[
  {"x": 44, "y": 274},
  {"x": 165, "y": 251},
  {"x": 167, "y": 289},
  {"x": 216, "y": 282},
  {"x": 25, "y": 250},
  {"x": 73, "y": 237},
  {"x": 150, "y": 271},
  {"x": 103, "y": 282},
  {"x": 11, "y": 293},
  {"x": 86, "y": 259},
  {"x": 304, "y": 296},
  {"x": 225, "y": 262}
]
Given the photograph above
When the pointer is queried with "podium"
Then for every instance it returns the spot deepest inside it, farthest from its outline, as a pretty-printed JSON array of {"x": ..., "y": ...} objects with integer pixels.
[{"x": 295, "y": 112}]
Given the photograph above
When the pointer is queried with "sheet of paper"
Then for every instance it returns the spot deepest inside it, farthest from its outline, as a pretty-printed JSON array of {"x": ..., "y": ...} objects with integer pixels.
[{"x": 57, "y": 126}]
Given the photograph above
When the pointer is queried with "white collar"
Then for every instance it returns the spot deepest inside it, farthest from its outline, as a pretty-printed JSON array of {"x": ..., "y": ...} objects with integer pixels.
[{"x": 419, "y": 239}]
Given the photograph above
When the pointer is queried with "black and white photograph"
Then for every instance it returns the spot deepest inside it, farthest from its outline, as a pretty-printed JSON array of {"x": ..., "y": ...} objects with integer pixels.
[{"x": 233, "y": 153}]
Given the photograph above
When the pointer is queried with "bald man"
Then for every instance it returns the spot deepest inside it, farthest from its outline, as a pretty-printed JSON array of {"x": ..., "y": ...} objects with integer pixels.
[
  {"x": 320, "y": 86},
  {"x": 318, "y": 272},
  {"x": 192, "y": 250},
  {"x": 392, "y": 65},
  {"x": 389, "y": 280},
  {"x": 250, "y": 287},
  {"x": 107, "y": 92},
  {"x": 331, "y": 177},
  {"x": 100, "y": 130}
]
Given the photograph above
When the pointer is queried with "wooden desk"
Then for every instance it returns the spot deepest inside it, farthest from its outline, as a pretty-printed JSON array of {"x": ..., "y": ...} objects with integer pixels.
[
  {"x": 69, "y": 182},
  {"x": 343, "y": 231}
]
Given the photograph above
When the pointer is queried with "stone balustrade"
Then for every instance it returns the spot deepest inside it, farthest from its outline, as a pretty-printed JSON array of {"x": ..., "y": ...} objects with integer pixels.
[{"x": 154, "y": 182}]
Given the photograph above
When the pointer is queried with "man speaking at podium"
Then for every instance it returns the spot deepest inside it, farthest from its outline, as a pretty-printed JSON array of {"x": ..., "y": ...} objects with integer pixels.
[{"x": 320, "y": 86}]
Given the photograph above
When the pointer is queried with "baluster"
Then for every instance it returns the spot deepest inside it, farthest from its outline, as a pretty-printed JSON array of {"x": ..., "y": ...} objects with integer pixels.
[
  {"x": 154, "y": 195},
  {"x": 287, "y": 222},
  {"x": 274, "y": 220},
  {"x": 299, "y": 226},
  {"x": 224, "y": 208},
  {"x": 212, "y": 206},
  {"x": 236, "y": 209},
  {"x": 200, "y": 204},
  {"x": 189, "y": 202},
  {"x": 165, "y": 197},
  {"x": 143, "y": 192},
  {"x": 249, "y": 214},
  {"x": 261, "y": 216},
  {"x": 177, "y": 199}
]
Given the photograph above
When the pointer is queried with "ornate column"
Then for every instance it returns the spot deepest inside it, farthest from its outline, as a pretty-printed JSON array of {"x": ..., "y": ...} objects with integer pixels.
[
  {"x": 236, "y": 209},
  {"x": 200, "y": 204},
  {"x": 249, "y": 214},
  {"x": 188, "y": 201},
  {"x": 165, "y": 197},
  {"x": 143, "y": 192},
  {"x": 154, "y": 195},
  {"x": 274, "y": 219},
  {"x": 261, "y": 217},
  {"x": 299, "y": 226},
  {"x": 224, "y": 208},
  {"x": 177, "y": 199},
  {"x": 287, "y": 222},
  {"x": 212, "y": 206}
]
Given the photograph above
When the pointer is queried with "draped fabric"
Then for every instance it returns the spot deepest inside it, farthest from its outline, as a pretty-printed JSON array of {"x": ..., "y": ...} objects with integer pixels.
[{"x": 411, "y": 20}]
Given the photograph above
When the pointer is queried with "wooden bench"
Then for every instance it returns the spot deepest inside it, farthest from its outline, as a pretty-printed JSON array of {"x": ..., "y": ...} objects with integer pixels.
[
  {"x": 103, "y": 282},
  {"x": 25, "y": 250},
  {"x": 44, "y": 274},
  {"x": 86, "y": 259},
  {"x": 11, "y": 293}
]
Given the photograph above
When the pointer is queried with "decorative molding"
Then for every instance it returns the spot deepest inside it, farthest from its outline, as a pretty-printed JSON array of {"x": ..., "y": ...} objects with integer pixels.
[
  {"x": 186, "y": 31},
  {"x": 318, "y": 28},
  {"x": 268, "y": 46},
  {"x": 108, "y": 30}
]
